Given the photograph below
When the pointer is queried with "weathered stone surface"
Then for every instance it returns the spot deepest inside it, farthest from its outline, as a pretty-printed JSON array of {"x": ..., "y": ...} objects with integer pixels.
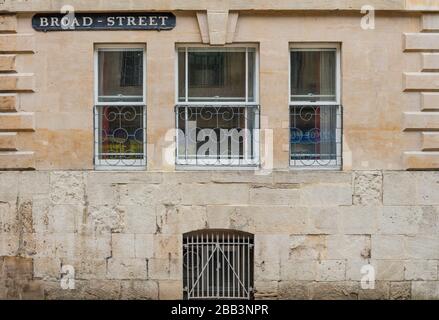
[
  {"x": 358, "y": 219},
  {"x": 420, "y": 270},
  {"x": 67, "y": 187},
  {"x": 87, "y": 269},
  {"x": 22, "y": 290},
  {"x": 8, "y": 187},
  {"x": 164, "y": 269},
  {"x": 135, "y": 251},
  {"x": 65, "y": 218},
  {"x": 325, "y": 220},
  {"x": 266, "y": 290},
  {"x": 181, "y": 219},
  {"x": 270, "y": 249},
  {"x": 103, "y": 219},
  {"x": 408, "y": 220},
  {"x": 411, "y": 188},
  {"x": 385, "y": 270},
  {"x": 226, "y": 194},
  {"x": 33, "y": 183},
  {"x": 102, "y": 194},
  {"x": 322, "y": 194},
  {"x": 380, "y": 292},
  {"x": 123, "y": 245},
  {"x": 143, "y": 246},
  {"x": 400, "y": 290},
  {"x": 294, "y": 290},
  {"x": 110, "y": 178},
  {"x": 425, "y": 290},
  {"x": 347, "y": 247},
  {"x": 139, "y": 290},
  {"x": 389, "y": 247},
  {"x": 17, "y": 268},
  {"x": 8, "y": 244},
  {"x": 128, "y": 269},
  {"x": 168, "y": 246},
  {"x": 170, "y": 290},
  {"x": 368, "y": 187},
  {"x": 423, "y": 247},
  {"x": 309, "y": 247},
  {"x": 47, "y": 269},
  {"x": 334, "y": 290},
  {"x": 275, "y": 195},
  {"x": 331, "y": 270},
  {"x": 8, "y": 218},
  {"x": 138, "y": 219},
  {"x": 84, "y": 290}
]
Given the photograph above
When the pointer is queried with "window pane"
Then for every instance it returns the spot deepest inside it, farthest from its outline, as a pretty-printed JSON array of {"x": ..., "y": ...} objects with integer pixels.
[
  {"x": 313, "y": 75},
  {"x": 120, "y": 75},
  {"x": 121, "y": 133},
  {"x": 313, "y": 134},
  {"x": 216, "y": 76},
  {"x": 251, "y": 76},
  {"x": 181, "y": 75}
]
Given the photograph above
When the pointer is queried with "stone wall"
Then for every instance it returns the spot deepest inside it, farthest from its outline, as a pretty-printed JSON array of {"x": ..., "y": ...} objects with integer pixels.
[{"x": 122, "y": 231}]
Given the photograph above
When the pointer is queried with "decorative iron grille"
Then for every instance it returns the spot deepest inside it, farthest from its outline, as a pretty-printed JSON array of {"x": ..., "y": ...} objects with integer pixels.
[
  {"x": 120, "y": 136},
  {"x": 218, "y": 264},
  {"x": 315, "y": 136},
  {"x": 215, "y": 135}
]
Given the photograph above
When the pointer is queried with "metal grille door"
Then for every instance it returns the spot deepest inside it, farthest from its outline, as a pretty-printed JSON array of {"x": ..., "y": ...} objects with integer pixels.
[{"x": 218, "y": 265}]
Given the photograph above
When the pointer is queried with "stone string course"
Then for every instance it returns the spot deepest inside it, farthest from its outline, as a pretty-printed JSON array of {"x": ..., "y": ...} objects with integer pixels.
[{"x": 314, "y": 231}]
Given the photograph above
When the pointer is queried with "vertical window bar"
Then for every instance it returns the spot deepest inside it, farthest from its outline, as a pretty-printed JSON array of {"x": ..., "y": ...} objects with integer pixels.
[
  {"x": 192, "y": 264},
  {"x": 233, "y": 265},
  {"x": 248, "y": 267},
  {"x": 202, "y": 264},
  {"x": 228, "y": 266},
  {"x": 239, "y": 265},
  {"x": 217, "y": 266},
  {"x": 213, "y": 267},
  {"x": 208, "y": 267},
  {"x": 187, "y": 269},
  {"x": 223, "y": 264}
]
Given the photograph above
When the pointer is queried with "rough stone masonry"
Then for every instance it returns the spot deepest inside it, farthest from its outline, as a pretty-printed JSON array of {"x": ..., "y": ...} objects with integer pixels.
[{"x": 122, "y": 231}]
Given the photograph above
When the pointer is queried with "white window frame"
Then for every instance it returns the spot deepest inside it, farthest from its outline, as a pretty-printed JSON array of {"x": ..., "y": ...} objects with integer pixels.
[
  {"x": 238, "y": 47},
  {"x": 190, "y": 164},
  {"x": 135, "y": 164},
  {"x": 313, "y": 46}
]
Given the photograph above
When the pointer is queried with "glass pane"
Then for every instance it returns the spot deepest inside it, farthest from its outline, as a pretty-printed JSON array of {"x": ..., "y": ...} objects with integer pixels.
[
  {"x": 251, "y": 76},
  {"x": 181, "y": 75},
  {"x": 313, "y": 75},
  {"x": 216, "y": 76},
  {"x": 121, "y": 132},
  {"x": 120, "y": 76},
  {"x": 313, "y": 133}
]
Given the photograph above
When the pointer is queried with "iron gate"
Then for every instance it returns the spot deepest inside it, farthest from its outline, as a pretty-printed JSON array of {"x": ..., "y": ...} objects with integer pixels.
[{"x": 218, "y": 264}]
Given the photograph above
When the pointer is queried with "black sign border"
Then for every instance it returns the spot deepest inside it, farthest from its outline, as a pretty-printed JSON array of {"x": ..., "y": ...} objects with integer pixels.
[{"x": 171, "y": 22}]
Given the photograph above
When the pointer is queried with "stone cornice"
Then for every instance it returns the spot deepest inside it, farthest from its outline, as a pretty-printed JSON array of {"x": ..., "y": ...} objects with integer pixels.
[{"x": 197, "y": 5}]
